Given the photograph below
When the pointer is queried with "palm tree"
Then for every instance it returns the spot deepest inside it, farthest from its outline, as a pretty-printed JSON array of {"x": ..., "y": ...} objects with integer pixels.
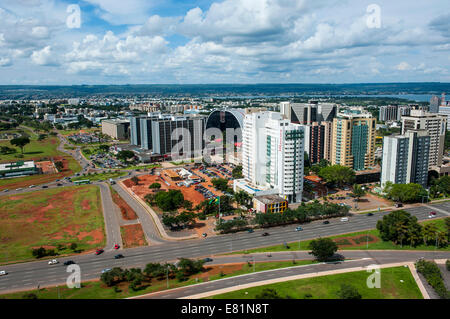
[
  {"x": 429, "y": 233},
  {"x": 358, "y": 191},
  {"x": 402, "y": 231}
]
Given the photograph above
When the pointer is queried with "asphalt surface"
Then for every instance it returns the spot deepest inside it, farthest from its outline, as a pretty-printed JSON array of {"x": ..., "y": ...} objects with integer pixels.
[
  {"x": 29, "y": 275},
  {"x": 360, "y": 259}
]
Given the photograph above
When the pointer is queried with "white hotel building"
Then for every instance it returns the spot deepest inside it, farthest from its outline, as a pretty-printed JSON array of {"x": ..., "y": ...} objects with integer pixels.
[{"x": 272, "y": 156}]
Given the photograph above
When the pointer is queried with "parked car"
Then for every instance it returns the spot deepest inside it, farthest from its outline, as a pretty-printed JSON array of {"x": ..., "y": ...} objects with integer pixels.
[
  {"x": 99, "y": 251},
  {"x": 3, "y": 273},
  {"x": 432, "y": 215},
  {"x": 265, "y": 234},
  {"x": 118, "y": 256},
  {"x": 53, "y": 262},
  {"x": 69, "y": 262},
  {"x": 325, "y": 222},
  {"x": 250, "y": 231},
  {"x": 298, "y": 228},
  {"x": 206, "y": 260},
  {"x": 398, "y": 205},
  {"x": 369, "y": 214}
]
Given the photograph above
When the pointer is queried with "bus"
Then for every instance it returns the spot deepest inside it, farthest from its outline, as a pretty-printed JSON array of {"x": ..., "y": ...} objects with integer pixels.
[{"x": 83, "y": 181}]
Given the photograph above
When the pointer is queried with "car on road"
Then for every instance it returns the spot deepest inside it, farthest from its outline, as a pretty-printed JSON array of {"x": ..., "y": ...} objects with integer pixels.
[
  {"x": 106, "y": 270},
  {"x": 69, "y": 262},
  {"x": 57, "y": 180},
  {"x": 298, "y": 228},
  {"x": 3, "y": 273},
  {"x": 53, "y": 262},
  {"x": 432, "y": 215},
  {"x": 369, "y": 214},
  {"x": 325, "y": 222},
  {"x": 45, "y": 186},
  {"x": 398, "y": 205},
  {"x": 5, "y": 190},
  {"x": 265, "y": 234},
  {"x": 118, "y": 256},
  {"x": 207, "y": 260},
  {"x": 344, "y": 219},
  {"x": 116, "y": 246},
  {"x": 250, "y": 231},
  {"x": 19, "y": 189},
  {"x": 99, "y": 251},
  {"x": 31, "y": 186},
  {"x": 59, "y": 184},
  {"x": 205, "y": 235}
]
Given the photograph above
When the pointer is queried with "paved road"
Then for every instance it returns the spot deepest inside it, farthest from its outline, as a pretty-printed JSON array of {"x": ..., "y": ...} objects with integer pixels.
[
  {"x": 361, "y": 259},
  {"x": 28, "y": 275}
]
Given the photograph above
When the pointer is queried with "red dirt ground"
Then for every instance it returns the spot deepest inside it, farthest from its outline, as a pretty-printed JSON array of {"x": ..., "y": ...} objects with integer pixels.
[
  {"x": 217, "y": 269},
  {"x": 85, "y": 204},
  {"x": 47, "y": 167},
  {"x": 133, "y": 236},
  {"x": 127, "y": 212}
]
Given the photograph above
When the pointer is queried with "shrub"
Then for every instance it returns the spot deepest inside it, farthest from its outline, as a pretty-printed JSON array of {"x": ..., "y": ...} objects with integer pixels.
[
  {"x": 433, "y": 275},
  {"x": 349, "y": 292}
]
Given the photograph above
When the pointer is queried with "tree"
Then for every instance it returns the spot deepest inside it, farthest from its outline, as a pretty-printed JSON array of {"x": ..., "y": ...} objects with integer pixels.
[
  {"x": 242, "y": 198},
  {"x": 42, "y": 137},
  {"x": 323, "y": 248},
  {"x": 407, "y": 193},
  {"x": 155, "y": 185},
  {"x": 358, "y": 191},
  {"x": 348, "y": 292},
  {"x": 237, "y": 172},
  {"x": 337, "y": 174},
  {"x": 125, "y": 155},
  {"x": 104, "y": 148},
  {"x": 400, "y": 227},
  {"x": 220, "y": 184},
  {"x": 7, "y": 150},
  {"x": 135, "y": 180},
  {"x": 20, "y": 142},
  {"x": 73, "y": 246},
  {"x": 59, "y": 165},
  {"x": 169, "y": 201}
]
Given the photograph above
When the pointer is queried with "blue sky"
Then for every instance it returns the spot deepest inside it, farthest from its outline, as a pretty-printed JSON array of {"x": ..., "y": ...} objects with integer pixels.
[{"x": 228, "y": 41}]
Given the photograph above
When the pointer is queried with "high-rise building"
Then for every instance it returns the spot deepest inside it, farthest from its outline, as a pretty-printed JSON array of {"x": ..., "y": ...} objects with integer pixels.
[
  {"x": 117, "y": 129},
  {"x": 388, "y": 113},
  {"x": 164, "y": 134},
  {"x": 272, "y": 155},
  {"x": 405, "y": 158},
  {"x": 307, "y": 113},
  {"x": 434, "y": 104},
  {"x": 435, "y": 125},
  {"x": 315, "y": 141},
  {"x": 354, "y": 139}
]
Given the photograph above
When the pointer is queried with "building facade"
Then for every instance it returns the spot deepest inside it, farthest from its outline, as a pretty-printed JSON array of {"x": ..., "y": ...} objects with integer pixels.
[
  {"x": 117, "y": 129},
  {"x": 405, "y": 158},
  {"x": 435, "y": 125},
  {"x": 354, "y": 139}
]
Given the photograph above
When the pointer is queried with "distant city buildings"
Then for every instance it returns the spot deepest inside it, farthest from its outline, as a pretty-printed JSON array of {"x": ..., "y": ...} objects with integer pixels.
[
  {"x": 405, "y": 158},
  {"x": 354, "y": 139},
  {"x": 390, "y": 113},
  {"x": 435, "y": 125}
]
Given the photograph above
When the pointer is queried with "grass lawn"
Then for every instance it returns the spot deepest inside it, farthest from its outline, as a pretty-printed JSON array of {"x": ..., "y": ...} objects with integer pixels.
[
  {"x": 35, "y": 150},
  {"x": 50, "y": 218},
  {"x": 327, "y": 287},
  {"x": 100, "y": 176},
  {"x": 134, "y": 167},
  {"x": 97, "y": 290},
  {"x": 361, "y": 236},
  {"x": 86, "y": 130}
]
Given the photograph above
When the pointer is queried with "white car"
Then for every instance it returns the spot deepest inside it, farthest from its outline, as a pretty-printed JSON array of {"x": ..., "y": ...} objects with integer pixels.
[
  {"x": 344, "y": 219},
  {"x": 106, "y": 270},
  {"x": 3, "y": 273},
  {"x": 53, "y": 262},
  {"x": 31, "y": 186}
]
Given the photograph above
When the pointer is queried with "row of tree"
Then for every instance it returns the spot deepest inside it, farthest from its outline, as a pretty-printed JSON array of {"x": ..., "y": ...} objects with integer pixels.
[{"x": 402, "y": 228}]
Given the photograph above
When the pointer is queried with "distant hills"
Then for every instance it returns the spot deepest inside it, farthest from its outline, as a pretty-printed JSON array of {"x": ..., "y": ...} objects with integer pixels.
[{"x": 218, "y": 90}]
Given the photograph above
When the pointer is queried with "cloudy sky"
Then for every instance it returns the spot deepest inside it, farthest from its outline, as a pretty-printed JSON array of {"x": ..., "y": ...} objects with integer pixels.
[{"x": 228, "y": 41}]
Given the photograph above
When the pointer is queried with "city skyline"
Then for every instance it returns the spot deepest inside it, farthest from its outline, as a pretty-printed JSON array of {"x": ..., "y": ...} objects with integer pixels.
[{"x": 231, "y": 41}]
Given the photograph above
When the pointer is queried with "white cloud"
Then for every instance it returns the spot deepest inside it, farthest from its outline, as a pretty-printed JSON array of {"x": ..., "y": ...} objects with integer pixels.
[
  {"x": 119, "y": 12},
  {"x": 403, "y": 66},
  {"x": 44, "y": 57},
  {"x": 5, "y": 62}
]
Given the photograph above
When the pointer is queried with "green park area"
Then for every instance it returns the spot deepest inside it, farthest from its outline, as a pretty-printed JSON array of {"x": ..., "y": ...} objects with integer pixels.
[
  {"x": 369, "y": 239},
  {"x": 54, "y": 219},
  {"x": 396, "y": 283},
  {"x": 99, "y": 290}
]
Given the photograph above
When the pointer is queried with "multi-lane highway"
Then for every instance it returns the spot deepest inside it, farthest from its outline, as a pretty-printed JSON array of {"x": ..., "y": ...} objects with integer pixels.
[{"x": 29, "y": 275}]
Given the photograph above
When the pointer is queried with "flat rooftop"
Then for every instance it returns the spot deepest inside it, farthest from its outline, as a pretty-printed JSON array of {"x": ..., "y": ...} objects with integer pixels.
[{"x": 270, "y": 199}]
